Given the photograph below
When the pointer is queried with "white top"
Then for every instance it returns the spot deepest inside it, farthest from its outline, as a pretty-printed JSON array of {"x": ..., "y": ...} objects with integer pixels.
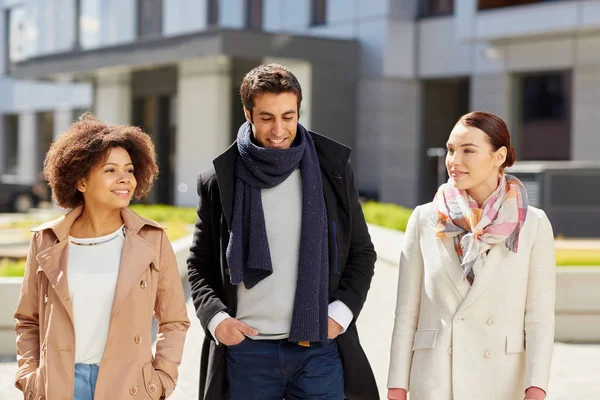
[
  {"x": 93, "y": 270},
  {"x": 268, "y": 306}
]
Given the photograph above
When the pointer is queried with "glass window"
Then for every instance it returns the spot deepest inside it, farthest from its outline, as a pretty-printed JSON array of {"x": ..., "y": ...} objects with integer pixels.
[
  {"x": 150, "y": 14},
  {"x": 11, "y": 144},
  {"x": 254, "y": 14},
  {"x": 318, "y": 12},
  {"x": 434, "y": 8},
  {"x": 212, "y": 12},
  {"x": 89, "y": 23},
  {"x": 22, "y": 33},
  {"x": 487, "y": 4}
]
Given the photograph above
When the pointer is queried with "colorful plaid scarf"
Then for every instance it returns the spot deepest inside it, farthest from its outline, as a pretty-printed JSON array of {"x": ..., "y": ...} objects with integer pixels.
[{"x": 475, "y": 230}]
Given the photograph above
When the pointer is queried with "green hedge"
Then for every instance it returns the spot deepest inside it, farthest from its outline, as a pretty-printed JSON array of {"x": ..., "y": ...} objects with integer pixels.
[
  {"x": 11, "y": 268},
  {"x": 387, "y": 215},
  {"x": 163, "y": 213}
]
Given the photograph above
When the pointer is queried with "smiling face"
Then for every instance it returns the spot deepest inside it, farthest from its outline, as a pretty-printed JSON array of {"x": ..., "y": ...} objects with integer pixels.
[
  {"x": 111, "y": 184},
  {"x": 274, "y": 119},
  {"x": 472, "y": 163}
]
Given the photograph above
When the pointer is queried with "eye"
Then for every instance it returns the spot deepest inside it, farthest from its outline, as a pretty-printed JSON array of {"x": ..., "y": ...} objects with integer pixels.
[
  {"x": 110, "y": 170},
  {"x": 130, "y": 170},
  {"x": 266, "y": 119},
  {"x": 469, "y": 151},
  {"x": 288, "y": 118}
]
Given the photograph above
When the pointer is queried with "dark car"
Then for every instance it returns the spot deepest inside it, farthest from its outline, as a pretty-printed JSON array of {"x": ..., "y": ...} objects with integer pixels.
[{"x": 18, "y": 197}]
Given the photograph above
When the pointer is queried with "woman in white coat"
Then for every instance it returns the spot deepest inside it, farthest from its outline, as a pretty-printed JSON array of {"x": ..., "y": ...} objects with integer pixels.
[{"x": 475, "y": 308}]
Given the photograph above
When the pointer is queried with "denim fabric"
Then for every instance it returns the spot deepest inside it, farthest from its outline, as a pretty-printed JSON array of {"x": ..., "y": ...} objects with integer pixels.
[
  {"x": 277, "y": 369},
  {"x": 85, "y": 381}
]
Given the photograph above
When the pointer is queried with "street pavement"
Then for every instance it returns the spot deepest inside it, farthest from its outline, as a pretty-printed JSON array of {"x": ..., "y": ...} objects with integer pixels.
[{"x": 575, "y": 371}]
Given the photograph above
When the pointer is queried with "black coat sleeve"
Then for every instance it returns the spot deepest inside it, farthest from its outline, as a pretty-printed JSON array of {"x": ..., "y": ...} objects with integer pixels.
[
  {"x": 204, "y": 270},
  {"x": 360, "y": 263}
]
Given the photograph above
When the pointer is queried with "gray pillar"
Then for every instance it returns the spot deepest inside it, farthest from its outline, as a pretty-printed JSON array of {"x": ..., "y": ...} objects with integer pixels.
[{"x": 27, "y": 148}]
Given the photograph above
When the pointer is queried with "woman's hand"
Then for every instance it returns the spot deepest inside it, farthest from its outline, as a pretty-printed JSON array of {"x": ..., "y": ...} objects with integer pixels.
[{"x": 396, "y": 394}]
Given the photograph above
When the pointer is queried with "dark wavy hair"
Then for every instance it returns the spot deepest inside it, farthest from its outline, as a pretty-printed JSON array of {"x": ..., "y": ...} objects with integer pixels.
[
  {"x": 268, "y": 78},
  {"x": 85, "y": 145}
]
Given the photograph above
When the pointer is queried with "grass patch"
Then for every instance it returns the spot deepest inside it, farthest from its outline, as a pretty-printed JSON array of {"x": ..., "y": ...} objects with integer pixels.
[
  {"x": 388, "y": 215},
  {"x": 163, "y": 213},
  {"x": 11, "y": 268},
  {"x": 578, "y": 257}
]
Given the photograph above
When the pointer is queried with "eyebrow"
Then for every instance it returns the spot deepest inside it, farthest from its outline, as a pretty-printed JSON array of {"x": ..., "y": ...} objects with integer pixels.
[
  {"x": 272, "y": 115},
  {"x": 112, "y": 163},
  {"x": 463, "y": 145}
]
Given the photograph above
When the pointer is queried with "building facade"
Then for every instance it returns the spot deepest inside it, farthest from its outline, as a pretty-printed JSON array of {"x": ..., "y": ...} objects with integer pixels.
[{"x": 387, "y": 77}]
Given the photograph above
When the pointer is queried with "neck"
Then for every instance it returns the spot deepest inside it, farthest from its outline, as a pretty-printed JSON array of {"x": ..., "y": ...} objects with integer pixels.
[
  {"x": 95, "y": 222},
  {"x": 481, "y": 192}
]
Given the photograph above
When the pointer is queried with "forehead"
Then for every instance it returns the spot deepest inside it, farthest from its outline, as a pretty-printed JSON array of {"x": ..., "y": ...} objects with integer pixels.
[
  {"x": 117, "y": 154},
  {"x": 462, "y": 134},
  {"x": 276, "y": 103}
]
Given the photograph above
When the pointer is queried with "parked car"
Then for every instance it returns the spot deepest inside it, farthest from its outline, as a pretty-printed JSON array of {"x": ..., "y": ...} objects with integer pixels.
[{"x": 18, "y": 197}]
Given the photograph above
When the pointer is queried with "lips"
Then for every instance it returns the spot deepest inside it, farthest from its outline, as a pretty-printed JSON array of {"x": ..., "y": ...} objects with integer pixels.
[
  {"x": 276, "y": 142},
  {"x": 458, "y": 174},
  {"x": 122, "y": 192}
]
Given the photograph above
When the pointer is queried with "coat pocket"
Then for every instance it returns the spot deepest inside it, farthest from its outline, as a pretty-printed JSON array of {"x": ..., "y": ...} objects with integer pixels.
[
  {"x": 515, "y": 343},
  {"x": 152, "y": 383},
  {"x": 425, "y": 339}
]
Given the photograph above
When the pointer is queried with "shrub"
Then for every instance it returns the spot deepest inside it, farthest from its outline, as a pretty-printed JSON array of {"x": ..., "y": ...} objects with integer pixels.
[{"x": 387, "y": 215}]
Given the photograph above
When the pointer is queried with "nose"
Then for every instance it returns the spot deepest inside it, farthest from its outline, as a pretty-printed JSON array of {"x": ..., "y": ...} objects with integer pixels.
[
  {"x": 453, "y": 159},
  {"x": 124, "y": 177},
  {"x": 278, "y": 128}
]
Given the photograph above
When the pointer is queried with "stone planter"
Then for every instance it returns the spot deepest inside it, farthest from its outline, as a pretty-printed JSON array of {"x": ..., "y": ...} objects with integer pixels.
[
  {"x": 578, "y": 304},
  {"x": 10, "y": 288}
]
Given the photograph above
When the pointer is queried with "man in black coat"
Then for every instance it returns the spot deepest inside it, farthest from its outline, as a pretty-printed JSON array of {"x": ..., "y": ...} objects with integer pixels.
[{"x": 282, "y": 259}]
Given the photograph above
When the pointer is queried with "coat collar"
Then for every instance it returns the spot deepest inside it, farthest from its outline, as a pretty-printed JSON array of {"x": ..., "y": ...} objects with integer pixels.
[
  {"x": 136, "y": 255},
  {"x": 62, "y": 226},
  {"x": 333, "y": 158}
]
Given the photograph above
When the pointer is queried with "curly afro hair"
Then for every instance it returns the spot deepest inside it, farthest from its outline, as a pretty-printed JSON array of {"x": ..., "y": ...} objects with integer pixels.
[{"x": 86, "y": 144}]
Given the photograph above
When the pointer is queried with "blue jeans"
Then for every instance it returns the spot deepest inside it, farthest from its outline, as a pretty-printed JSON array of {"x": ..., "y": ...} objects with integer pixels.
[
  {"x": 86, "y": 376},
  {"x": 277, "y": 369}
]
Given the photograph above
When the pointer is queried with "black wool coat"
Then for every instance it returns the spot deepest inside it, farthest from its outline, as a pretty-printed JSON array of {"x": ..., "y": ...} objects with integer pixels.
[{"x": 351, "y": 252}]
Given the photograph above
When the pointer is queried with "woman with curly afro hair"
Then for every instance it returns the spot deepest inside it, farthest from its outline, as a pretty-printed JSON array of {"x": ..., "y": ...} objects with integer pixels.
[{"x": 96, "y": 276}]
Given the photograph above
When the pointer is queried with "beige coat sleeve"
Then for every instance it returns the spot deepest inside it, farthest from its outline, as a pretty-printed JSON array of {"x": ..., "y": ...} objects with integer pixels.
[
  {"x": 539, "y": 309},
  {"x": 410, "y": 283},
  {"x": 27, "y": 319},
  {"x": 171, "y": 313}
]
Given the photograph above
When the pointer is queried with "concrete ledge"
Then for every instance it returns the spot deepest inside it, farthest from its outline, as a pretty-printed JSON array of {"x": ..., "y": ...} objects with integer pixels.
[
  {"x": 10, "y": 288},
  {"x": 578, "y": 304}
]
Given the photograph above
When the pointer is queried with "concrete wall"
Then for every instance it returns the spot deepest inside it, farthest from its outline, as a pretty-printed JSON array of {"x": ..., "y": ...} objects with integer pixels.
[{"x": 204, "y": 124}]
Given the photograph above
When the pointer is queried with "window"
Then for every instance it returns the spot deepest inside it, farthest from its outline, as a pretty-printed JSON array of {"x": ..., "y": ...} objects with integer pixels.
[
  {"x": 318, "y": 12},
  {"x": 212, "y": 12},
  {"x": 434, "y": 8},
  {"x": 21, "y": 34},
  {"x": 254, "y": 14},
  {"x": 11, "y": 144},
  {"x": 545, "y": 123},
  {"x": 150, "y": 13},
  {"x": 89, "y": 24},
  {"x": 488, "y": 4}
]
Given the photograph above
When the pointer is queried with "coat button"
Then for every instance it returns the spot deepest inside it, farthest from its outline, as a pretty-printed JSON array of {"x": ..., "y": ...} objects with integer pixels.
[
  {"x": 487, "y": 354},
  {"x": 491, "y": 321},
  {"x": 137, "y": 339},
  {"x": 143, "y": 284},
  {"x": 152, "y": 388},
  {"x": 133, "y": 390},
  {"x": 30, "y": 396},
  {"x": 227, "y": 271},
  {"x": 42, "y": 398},
  {"x": 450, "y": 350}
]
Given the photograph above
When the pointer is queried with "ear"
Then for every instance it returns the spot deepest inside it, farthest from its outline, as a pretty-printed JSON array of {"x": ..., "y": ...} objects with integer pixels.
[
  {"x": 248, "y": 115},
  {"x": 500, "y": 156},
  {"x": 81, "y": 185}
]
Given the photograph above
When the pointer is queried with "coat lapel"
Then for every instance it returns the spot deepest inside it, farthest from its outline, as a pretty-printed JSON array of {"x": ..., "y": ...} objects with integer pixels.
[
  {"x": 53, "y": 262},
  {"x": 451, "y": 265},
  {"x": 225, "y": 172},
  {"x": 136, "y": 256},
  {"x": 497, "y": 255}
]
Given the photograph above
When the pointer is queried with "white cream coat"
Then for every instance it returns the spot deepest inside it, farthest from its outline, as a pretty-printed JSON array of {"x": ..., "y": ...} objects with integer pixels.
[{"x": 488, "y": 341}]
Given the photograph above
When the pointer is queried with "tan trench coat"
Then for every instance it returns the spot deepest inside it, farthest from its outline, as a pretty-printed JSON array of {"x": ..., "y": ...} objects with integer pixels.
[{"x": 148, "y": 284}]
